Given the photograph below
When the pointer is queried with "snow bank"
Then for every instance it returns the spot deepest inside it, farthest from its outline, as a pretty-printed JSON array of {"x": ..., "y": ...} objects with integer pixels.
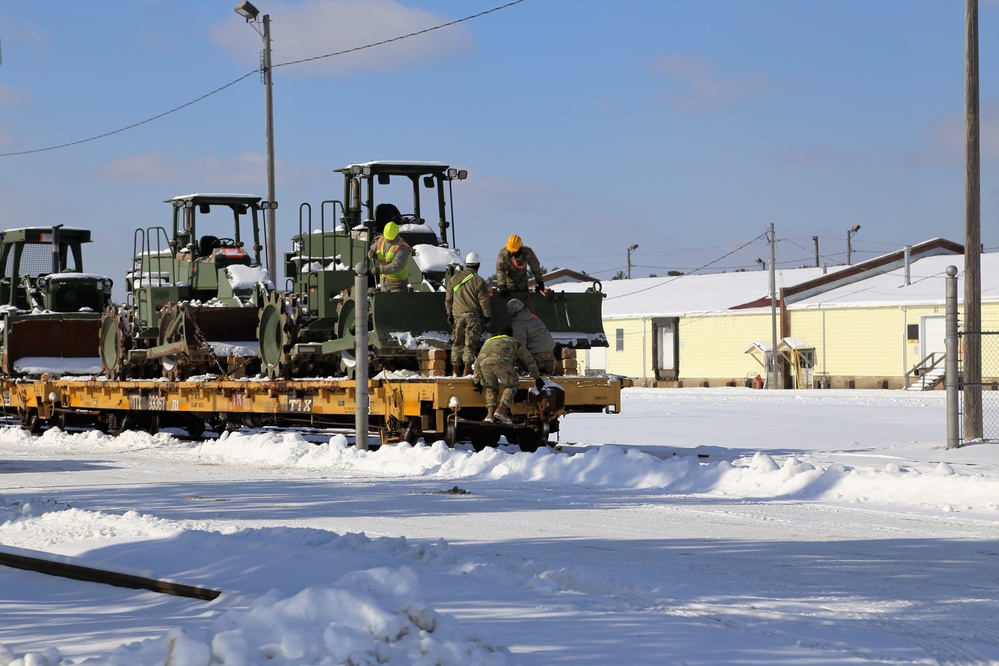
[{"x": 367, "y": 617}]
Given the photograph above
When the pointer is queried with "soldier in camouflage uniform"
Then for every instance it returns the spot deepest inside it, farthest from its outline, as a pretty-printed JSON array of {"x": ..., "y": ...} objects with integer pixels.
[
  {"x": 390, "y": 255},
  {"x": 511, "y": 267},
  {"x": 496, "y": 367},
  {"x": 532, "y": 333},
  {"x": 468, "y": 313}
]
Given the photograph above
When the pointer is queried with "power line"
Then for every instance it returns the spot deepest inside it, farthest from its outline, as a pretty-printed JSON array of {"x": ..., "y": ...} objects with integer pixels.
[
  {"x": 232, "y": 83},
  {"x": 396, "y": 39},
  {"x": 700, "y": 268},
  {"x": 133, "y": 125}
]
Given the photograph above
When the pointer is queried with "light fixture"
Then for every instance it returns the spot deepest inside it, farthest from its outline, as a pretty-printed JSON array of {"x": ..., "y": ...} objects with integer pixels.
[
  {"x": 631, "y": 249},
  {"x": 247, "y": 11}
]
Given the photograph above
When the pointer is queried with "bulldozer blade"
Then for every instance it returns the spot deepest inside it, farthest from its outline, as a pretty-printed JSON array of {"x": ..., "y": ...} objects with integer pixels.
[
  {"x": 401, "y": 319},
  {"x": 47, "y": 342}
]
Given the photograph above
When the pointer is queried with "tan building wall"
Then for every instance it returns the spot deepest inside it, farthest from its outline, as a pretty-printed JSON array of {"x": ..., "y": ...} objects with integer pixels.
[
  {"x": 865, "y": 347},
  {"x": 630, "y": 350},
  {"x": 712, "y": 347}
]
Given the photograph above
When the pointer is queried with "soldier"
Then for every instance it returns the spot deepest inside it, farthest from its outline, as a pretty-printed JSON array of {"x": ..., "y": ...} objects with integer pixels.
[
  {"x": 468, "y": 313},
  {"x": 496, "y": 367},
  {"x": 511, "y": 267},
  {"x": 392, "y": 254},
  {"x": 532, "y": 333}
]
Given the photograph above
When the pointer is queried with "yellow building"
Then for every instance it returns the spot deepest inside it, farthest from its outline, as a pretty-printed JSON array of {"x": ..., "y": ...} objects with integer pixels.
[{"x": 861, "y": 326}]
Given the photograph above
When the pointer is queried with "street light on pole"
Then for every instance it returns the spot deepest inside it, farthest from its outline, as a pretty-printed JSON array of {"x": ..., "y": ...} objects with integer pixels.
[
  {"x": 630, "y": 250},
  {"x": 250, "y": 13},
  {"x": 849, "y": 234}
]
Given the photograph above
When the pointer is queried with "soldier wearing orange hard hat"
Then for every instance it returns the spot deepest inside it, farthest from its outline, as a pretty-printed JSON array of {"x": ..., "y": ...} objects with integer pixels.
[{"x": 512, "y": 264}]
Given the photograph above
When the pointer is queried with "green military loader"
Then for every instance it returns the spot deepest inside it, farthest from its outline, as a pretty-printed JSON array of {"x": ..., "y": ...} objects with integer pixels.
[
  {"x": 309, "y": 329},
  {"x": 51, "y": 309}
]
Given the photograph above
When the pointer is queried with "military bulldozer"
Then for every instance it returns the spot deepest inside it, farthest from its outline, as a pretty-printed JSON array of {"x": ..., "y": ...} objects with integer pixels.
[
  {"x": 193, "y": 293},
  {"x": 51, "y": 309},
  {"x": 309, "y": 329}
]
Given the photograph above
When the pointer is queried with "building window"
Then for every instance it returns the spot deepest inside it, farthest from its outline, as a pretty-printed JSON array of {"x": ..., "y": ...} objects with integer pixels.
[{"x": 619, "y": 340}]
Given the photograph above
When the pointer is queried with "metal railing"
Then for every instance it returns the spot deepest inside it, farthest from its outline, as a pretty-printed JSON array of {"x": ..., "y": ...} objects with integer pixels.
[{"x": 924, "y": 367}]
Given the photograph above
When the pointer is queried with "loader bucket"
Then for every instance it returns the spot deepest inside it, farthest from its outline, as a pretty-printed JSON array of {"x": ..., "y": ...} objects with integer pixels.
[
  {"x": 52, "y": 343},
  {"x": 409, "y": 320},
  {"x": 574, "y": 319},
  {"x": 227, "y": 324}
]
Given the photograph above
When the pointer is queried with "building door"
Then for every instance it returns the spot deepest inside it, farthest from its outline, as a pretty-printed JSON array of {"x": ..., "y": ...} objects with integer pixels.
[
  {"x": 932, "y": 334},
  {"x": 664, "y": 340}
]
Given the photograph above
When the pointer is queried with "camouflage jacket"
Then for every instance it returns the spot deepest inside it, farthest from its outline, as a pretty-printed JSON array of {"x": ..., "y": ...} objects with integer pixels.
[
  {"x": 504, "y": 349},
  {"x": 467, "y": 294},
  {"x": 511, "y": 271}
]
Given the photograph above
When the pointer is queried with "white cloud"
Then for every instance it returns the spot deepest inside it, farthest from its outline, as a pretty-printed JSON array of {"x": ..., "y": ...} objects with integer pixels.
[
  {"x": 13, "y": 96},
  {"x": 945, "y": 141},
  {"x": 320, "y": 27},
  {"x": 208, "y": 171},
  {"x": 701, "y": 87}
]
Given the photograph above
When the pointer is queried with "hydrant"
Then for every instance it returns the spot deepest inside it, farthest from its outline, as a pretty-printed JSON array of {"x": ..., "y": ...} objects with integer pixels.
[{"x": 759, "y": 381}]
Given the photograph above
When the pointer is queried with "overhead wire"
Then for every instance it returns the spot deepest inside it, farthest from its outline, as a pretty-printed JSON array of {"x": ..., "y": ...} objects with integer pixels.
[
  {"x": 250, "y": 73},
  {"x": 700, "y": 268}
]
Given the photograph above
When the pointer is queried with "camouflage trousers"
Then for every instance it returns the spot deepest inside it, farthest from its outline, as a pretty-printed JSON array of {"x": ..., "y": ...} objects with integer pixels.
[
  {"x": 393, "y": 285},
  {"x": 498, "y": 374},
  {"x": 547, "y": 363},
  {"x": 466, "y": 338}
]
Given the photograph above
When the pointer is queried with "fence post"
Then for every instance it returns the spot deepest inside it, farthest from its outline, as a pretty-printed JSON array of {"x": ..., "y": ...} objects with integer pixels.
[{"x": 950, "y": 359}]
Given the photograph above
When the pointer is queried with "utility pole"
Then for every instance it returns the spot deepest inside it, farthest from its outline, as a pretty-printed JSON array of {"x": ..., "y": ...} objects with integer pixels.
[
  {"x": 630, "y": 250},
  {"x": 849, "y": 248},
  {"x": 973, "y": 424},
  {"x": 816, "y": 241},
  {"x": 250, "y": 13},
  {"x": 270, "y": 225},
  {"x": 774, "y": 373}
]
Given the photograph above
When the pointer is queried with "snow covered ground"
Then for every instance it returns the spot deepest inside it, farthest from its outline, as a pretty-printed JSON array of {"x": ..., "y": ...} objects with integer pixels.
[{"x": 699, "y": 526}]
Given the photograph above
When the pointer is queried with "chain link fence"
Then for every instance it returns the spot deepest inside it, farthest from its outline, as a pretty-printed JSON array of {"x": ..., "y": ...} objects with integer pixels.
[{"x": 989, "y": 383}]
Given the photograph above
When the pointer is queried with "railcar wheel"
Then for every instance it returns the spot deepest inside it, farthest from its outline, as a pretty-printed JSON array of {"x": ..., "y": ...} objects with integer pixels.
[
  {"x": 450, "y": 432},
  {"x": 413, "y": 430},
  {"x": 196, "y": 428},
  {"x": 31, "y": 422},
  {"x": 485, "y": 440}
]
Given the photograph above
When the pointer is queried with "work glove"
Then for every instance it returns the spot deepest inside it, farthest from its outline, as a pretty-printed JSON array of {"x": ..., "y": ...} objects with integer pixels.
[
  {"x": 540, "y": 383},
  {"x": 478, "y": 387},
  {"x": 504, "y": 292},
  {"x": 485, "y": 321},
  {"x": 371, "y": 254},
  {"x": 539, "y": 287},
  {"x": 450, "y": 321}
]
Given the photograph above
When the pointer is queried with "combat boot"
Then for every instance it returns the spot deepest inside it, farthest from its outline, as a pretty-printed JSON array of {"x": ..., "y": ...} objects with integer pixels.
[
  {"x": 468, "y": 369},
  {"x": 456, "y": 369},
  {"x": 490, "y": 410},
  {"x": 502, "y": 414}
]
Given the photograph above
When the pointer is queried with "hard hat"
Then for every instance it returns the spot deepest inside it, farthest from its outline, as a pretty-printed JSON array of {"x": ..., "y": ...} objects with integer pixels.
[
  {"x": 473, "y": 259},
  {"x": 391, "y": 231},
  {"x": 514, "y": 305},
  {"x": 513, "y": 243}
]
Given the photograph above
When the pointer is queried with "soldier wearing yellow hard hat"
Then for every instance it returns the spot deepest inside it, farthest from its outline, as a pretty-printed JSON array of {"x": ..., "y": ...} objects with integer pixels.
[{"x": 512, "y": 264}]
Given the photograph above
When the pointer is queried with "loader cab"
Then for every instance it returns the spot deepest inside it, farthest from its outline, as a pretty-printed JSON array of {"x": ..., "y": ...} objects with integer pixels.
[
  {"x": 42, "y": 269},
  {"x": 210, "y": 233},
  {"x": 413, "y": 194}
]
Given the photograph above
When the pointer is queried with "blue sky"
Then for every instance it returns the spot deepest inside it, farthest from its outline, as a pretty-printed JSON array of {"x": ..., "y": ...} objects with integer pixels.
[{"x": 585, "y": 125}]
